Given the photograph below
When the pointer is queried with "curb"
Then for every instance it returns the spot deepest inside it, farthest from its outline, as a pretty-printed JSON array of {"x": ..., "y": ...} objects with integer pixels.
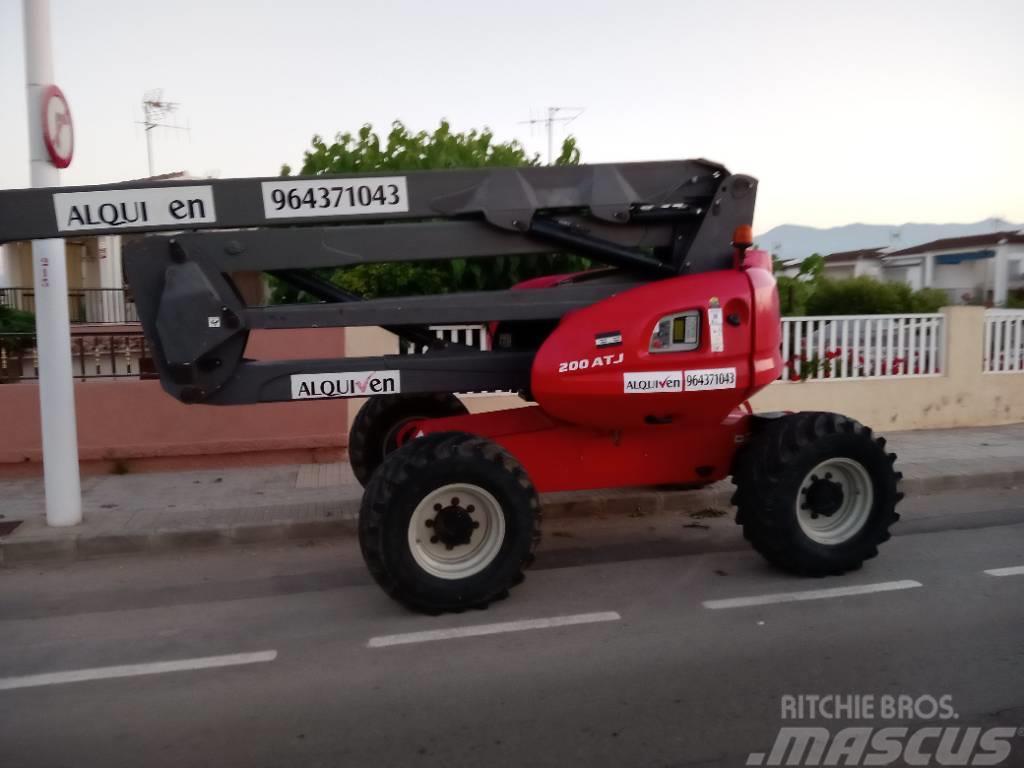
[{"x": 576, "y": 504}]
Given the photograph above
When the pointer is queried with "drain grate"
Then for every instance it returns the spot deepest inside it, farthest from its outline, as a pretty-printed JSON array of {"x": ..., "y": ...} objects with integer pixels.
[{"x": 7, "y": 526}]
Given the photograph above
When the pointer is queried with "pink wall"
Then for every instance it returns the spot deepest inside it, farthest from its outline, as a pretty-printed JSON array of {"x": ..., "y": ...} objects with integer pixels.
[{"x": 128, "y": 419}]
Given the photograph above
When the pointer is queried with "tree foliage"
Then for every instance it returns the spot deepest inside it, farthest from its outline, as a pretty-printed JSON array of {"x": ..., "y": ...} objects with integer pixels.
[
  {"x": 16, "y": 321},
  {"x": 403, "y": 150}
]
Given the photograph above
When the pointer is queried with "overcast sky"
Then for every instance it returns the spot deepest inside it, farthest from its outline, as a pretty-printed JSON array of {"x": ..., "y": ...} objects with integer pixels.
[{"x": 883, "y": 112}]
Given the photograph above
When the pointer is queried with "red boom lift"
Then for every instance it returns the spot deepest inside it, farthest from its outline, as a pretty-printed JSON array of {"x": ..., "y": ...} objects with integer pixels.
[{"x": 635, "y": 374}]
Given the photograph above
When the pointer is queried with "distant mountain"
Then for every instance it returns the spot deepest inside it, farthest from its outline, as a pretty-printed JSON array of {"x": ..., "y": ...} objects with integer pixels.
[{"x": 792, "y": 241}]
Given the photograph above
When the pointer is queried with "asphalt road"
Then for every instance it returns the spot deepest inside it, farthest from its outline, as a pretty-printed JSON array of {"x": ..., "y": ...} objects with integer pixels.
[{"x": 638, "y": 642}]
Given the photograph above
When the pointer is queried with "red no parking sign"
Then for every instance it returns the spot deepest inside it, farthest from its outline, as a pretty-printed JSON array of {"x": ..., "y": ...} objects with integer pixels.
[{"x": 58, "y": 133}]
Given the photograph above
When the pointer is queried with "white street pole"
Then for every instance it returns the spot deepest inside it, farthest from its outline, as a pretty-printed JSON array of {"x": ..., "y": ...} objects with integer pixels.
[
  {"x": 53, "y": 335},
  {"x": 149, "y": 147},
  {"x": 551, "y": 134}
]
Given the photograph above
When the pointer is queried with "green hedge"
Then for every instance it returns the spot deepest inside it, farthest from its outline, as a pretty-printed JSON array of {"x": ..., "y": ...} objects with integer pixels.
[
  {"x": 16, "y": 321},
  {"x": 855, "y": 296}
]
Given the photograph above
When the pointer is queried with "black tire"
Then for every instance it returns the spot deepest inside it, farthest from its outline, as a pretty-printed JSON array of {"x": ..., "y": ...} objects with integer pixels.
[
  {"x": 378, "y": 423},
  {"x": 411, "y": 475},
  {"x": 773, "y": 470}
]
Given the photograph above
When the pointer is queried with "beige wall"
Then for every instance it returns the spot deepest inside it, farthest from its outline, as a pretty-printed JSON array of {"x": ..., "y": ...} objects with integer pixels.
[
  {"x": 136, "y": 422},
  {"x": 962, "y": 396}
]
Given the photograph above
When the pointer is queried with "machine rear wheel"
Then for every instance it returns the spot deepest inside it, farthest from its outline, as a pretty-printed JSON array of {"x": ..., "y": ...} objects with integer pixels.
[
  {"x": 816, "y": 492},
  {"x": 449, "y": 522},
  {"x": 377, "y": 427}
]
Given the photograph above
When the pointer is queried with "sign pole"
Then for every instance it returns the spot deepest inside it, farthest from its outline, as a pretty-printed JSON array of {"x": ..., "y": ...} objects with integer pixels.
[{"x": 53, "y": 334}]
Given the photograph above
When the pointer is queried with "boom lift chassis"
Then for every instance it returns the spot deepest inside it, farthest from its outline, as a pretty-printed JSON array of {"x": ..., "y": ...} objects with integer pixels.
[{"x": 640, "y": 371}]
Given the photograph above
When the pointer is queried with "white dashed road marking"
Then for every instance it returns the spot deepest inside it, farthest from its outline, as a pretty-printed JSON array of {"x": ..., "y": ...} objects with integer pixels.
[
  {"x": 813, "y": 594},
  {"x": 134, "y": 670},
  {"x": 479, "y": 630},
  {"x": 1016, "y": 570}
]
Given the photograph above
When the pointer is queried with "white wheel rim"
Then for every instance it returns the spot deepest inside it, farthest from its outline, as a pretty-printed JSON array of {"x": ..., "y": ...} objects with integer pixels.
[
  {"x": 449, "y": 508},
  {"x": 819, "y": 522}
]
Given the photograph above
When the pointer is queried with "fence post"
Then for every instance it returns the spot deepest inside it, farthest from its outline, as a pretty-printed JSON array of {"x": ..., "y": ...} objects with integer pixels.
[{"x": 963, "y": 347}]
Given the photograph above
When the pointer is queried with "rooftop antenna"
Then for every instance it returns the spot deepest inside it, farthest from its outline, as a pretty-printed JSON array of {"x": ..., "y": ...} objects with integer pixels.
[
  {"x": 155, "y": 112},
  {"x": 550, "y": 121}
]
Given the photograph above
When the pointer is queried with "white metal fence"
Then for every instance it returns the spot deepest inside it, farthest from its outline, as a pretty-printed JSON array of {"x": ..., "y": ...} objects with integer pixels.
[
  {"x": 1004, "y": 341},
  {"x": 470, "y": 335},
  {"x": 835, "y": 347},
  {"x": 861, "y": 346}
]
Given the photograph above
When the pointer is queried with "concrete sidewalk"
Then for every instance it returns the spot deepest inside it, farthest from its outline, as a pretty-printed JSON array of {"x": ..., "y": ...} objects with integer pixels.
[{"x": 166, "y": 510}]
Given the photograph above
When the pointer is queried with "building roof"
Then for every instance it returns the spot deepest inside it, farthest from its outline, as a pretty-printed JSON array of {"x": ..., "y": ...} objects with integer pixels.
[
  {"x": 863, "y": 253},
  {"x": 955, "y": 243}
]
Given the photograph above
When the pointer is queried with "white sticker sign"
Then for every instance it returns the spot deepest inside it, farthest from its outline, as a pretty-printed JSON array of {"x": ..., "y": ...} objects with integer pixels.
[
  {"x": 652, "y": 381},
  {"x": 710, "y": 378},
  {"x": 173, "y": 207},
  {"x": 598, "y": 361},
  {"x": 312, "y": 386},
  {"x": 334, "y": 197},
  {"x": 715, "y": 328}
]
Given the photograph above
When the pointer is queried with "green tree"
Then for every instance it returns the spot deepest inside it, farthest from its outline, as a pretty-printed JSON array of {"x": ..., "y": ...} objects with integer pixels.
[
  {"x": 402, "y": 150},
  {"x": 795, "y": 292}
]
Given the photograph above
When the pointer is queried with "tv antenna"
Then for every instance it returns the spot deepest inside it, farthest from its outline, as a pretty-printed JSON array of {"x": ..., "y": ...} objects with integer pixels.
[
  {"x": 155, "y": 112},
  {"x": 550, "y": 121}
]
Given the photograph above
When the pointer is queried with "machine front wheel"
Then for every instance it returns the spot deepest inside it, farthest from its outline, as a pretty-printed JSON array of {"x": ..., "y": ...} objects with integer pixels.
[
  {"x": 816, "y": 492},
  {"x": 449, "y": 522},
  {"x": 378, "y": 426}
]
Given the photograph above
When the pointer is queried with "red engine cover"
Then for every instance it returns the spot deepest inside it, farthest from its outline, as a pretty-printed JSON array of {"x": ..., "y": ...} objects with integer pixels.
[
  {"x": 583, "y": 375},
  {"x": 593, "y": 431}
]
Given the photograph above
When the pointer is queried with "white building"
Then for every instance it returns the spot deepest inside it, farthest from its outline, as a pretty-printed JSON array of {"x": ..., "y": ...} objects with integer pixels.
[
  {"x": 95, "y": 279},
  {"x": 96, "y": 288},
  {"x": 976, "y": 269},
  {"x": 863, "y": 263}
]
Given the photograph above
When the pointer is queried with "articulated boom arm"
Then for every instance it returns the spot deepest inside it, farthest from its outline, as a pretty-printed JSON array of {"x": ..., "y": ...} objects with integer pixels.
[{"x": 646, "y": 220}]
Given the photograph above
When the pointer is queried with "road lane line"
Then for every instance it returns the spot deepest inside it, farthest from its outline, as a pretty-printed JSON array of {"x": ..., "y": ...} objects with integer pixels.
[
  {"x": 479, "y": 630},
  {"x": 134, "y": 670},
  {"x": 812, "y": 594},
  {"x": 1016, "y": 570}
]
